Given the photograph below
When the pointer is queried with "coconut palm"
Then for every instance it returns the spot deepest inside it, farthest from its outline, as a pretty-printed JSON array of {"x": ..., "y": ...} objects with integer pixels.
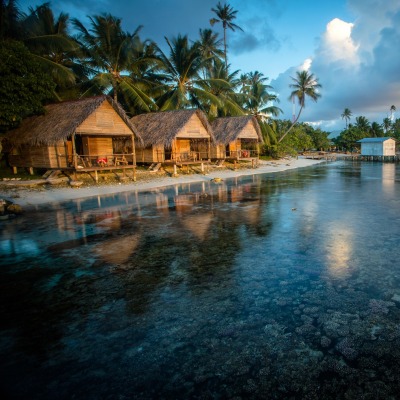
[
  {"x": 392, "y": 111},
  {"x": 109, "y": 54},
  {"x": 305, "y": 85},
  {"x": 226, "y": 14},
  {"x": 376, "y": 130},
  {"x": 210, "y": 46},
  {"x": 258, "y": 101},
  {"x": 346, "y": 115},
  {"x": 222, "y": 85},
  {"x": 362, "y": 124},
  {"x": 48, "y": 40},
  {"x": 182, "y": 86},
  {"x": 10, "y": 20},
  {"x": 387, "y": 124}
]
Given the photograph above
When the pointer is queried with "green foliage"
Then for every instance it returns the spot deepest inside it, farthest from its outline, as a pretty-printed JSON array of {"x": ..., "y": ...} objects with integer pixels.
[
  {"x": 24, "y": 85},
  {"x": 349, "y": 137},
  {"x": 303, "y": 137}
]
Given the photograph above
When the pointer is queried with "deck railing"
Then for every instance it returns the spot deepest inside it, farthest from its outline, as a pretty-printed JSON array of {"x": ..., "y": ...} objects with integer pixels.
[
  {"x": 184, "y": 156},
  {"x": 243, "y": 153},
  {"x": 102, "y": 160}
]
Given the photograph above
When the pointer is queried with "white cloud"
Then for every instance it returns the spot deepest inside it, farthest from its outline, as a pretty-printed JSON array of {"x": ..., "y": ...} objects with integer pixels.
[
  {"x": 337, "y": 43},
  {"x": 357, "y": 64}
]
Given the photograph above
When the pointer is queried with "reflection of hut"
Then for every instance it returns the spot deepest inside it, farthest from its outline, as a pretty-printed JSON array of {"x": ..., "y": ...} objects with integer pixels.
[
  {"x": 118, "y": 250},
  {"x": 81, "y": 135},
  {"x": 198, "y": 224},
  {"x": 237, "y": 137},
  {"x": 174, "y": 136},
  {"x": 382, "y": 146}
]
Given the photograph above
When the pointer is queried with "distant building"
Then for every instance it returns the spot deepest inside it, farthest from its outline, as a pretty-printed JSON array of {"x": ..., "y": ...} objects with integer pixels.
[{"x": 382, "y": 146}]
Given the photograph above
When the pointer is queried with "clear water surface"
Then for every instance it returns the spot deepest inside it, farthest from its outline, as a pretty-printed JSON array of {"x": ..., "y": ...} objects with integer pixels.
[{"x": 269, "y": 286}]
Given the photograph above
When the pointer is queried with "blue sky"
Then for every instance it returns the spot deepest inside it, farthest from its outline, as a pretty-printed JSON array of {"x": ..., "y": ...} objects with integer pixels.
[{"x": 351, "y": 46}]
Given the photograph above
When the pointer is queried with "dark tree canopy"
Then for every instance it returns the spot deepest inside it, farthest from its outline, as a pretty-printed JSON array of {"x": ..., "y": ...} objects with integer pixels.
[{"x": 24, "y": 87}]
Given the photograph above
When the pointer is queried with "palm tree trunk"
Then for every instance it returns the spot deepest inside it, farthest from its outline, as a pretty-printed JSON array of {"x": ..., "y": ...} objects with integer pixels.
[
  {"x": 226, "y": 57},
  {"x": 291, "y": 126}
]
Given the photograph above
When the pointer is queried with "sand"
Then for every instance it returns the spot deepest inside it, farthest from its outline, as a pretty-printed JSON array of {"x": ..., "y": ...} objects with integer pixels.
[{"x": 32, "y": 196}]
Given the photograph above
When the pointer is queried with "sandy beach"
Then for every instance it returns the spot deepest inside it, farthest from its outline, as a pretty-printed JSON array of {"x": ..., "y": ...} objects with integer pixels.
[{"x": 28, "y": 196}]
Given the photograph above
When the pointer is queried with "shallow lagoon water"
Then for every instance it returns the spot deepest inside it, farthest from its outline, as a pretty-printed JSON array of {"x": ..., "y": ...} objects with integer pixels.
[{"x": 272, "y": 286}]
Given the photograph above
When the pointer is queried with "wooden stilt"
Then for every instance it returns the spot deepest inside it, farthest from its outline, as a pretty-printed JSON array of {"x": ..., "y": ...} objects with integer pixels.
[{"x": 15, "y": 170}]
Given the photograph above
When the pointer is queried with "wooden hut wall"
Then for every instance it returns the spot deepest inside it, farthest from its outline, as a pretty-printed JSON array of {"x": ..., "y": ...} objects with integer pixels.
[
  {"x": 97, "y": 146},
  {"x": 217, "y": 151},
  {"x": 150, "y": 154},
  {"x": 104, "y": 121},
  {"x": 181, "y": 146},
  {"x": 248, "y": 132},
  {"x": 235, "y": 145},
  {"x": 58, "y": 155},
  {"x": 193, "y": 129},
  {"x": 40, "y": 156}
]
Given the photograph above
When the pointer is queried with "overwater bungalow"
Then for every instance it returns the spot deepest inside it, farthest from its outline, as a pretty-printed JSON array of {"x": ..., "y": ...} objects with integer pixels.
[
  {"x": 378, "y": 146},
  {"x": 176, "y": 137},
  {"x": 85, "y": 135},
  {"x": 237, "y": 138}
]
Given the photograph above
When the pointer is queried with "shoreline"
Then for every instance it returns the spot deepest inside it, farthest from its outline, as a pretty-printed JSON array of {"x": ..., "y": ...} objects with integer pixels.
[{"x": 28, "y": 197}]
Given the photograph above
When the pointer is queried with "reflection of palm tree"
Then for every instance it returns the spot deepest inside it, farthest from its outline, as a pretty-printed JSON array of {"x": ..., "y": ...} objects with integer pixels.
[
  {"x": 346, "y": 115},
  {"x": 305, "y": 84},
  {"x": 226, "y": 14}
]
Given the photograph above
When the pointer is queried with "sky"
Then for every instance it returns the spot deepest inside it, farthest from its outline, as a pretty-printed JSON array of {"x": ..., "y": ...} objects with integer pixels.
[{"x": 351, "y": 46}]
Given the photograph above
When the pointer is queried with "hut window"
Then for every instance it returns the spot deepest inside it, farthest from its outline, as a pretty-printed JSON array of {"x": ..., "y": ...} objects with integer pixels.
[{"x": 104, "y": 120}]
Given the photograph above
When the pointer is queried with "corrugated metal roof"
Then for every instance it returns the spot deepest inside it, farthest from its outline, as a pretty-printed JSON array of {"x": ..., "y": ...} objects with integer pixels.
[{"x": 374, "y": 140}]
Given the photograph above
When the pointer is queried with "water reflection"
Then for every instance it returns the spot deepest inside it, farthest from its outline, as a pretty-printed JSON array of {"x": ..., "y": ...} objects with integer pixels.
[
  {"x": 208, "y": 290},
  {"x": 339, "y": 249}
]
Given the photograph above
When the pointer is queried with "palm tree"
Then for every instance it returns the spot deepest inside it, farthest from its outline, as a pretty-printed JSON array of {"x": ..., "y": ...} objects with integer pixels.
[
  {"x": 305, "y": 84},
  {"x": 210, "y": 46},
  {"x": 109, "y": 53},
  {"x": 10, "y": 20},
  {"x": 182, "y": 85},
  {"x": 222, "y": 85},
  {"x": 48, "y": 40},
  {"x": 362, "y": 124},
  {"x": 387, "y": 124},
  {"x": 376, "y": 130},
  {"x": 392, "y": 110},
  {"x": 226, "y": 14},
  {"x": 258, "y": 101},
  {"x": 346, "y": 115}
]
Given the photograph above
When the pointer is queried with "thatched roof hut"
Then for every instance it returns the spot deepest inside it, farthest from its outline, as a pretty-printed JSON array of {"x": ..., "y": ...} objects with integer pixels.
[
  {"x": 88, "y": 134},
  {"x": 162, "y": 128},
  {"x": 61, "y": 120},
  {"x": 229, "y": 129}
]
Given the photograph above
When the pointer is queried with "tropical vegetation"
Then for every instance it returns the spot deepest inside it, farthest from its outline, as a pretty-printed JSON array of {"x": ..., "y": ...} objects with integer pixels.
[{"x": 47, "y": 58}]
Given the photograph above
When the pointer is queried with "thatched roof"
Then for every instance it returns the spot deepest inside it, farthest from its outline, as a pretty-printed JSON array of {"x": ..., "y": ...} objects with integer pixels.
[
  {"x": 227, "y": 129},
  {"x": 161, "y": 128},
  {"x": 60, "y": 121}
]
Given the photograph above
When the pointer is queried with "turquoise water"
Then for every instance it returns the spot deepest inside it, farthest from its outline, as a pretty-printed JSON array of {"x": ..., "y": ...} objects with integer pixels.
[{"x": 278, "y": 286}]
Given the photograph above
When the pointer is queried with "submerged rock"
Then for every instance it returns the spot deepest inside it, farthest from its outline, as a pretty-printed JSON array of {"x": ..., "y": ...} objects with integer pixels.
[{"x": 9, "y": 209}]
